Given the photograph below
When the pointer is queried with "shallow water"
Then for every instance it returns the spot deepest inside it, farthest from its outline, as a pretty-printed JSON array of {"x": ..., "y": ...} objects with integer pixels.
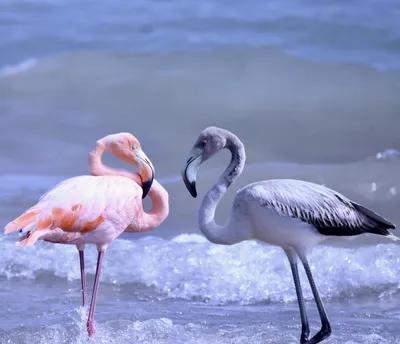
[
  {"x": 312, "y": 89},
  {"x": 188, "y": 290}
]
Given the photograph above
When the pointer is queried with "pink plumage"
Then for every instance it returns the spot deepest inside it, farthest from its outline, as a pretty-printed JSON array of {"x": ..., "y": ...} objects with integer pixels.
[
  {"x": 83, "y": 210},
  {"x": 96, "y": 209}
]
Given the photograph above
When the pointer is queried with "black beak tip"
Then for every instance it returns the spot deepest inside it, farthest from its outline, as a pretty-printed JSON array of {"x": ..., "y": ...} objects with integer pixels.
[
  {"x": 193, "y": 190},
  {"x": 191, "y": 186},
  {"x": 146, "y": 187}
]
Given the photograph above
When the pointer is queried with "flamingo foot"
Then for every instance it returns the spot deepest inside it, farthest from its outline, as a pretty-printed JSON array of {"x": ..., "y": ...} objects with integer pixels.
[{"x": 90, "y": 327}]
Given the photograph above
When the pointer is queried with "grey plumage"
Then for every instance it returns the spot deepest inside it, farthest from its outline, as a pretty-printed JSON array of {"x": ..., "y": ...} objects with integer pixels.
[
  {"x": 328, "y": 211},
  {"x": 292, "y": 214}
]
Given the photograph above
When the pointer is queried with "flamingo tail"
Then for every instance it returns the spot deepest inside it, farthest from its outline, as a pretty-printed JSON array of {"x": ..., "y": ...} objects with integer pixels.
[
  {"x": 32, "y": 236},
  {"x": 22, "y": 221},
  {"x": 31, "y": 223}
]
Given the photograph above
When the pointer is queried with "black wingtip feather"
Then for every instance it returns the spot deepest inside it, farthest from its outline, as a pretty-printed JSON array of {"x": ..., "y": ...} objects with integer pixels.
[{"x": 381, "y": 223}]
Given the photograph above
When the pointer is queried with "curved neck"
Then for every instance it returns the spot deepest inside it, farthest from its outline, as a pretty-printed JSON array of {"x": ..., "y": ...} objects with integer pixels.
[
  {"x": 159, "y": 210},
  {"x": 158, "y": 195},
  {"x": 97, "y": 168},
  {"x": 212, "y": 231}
]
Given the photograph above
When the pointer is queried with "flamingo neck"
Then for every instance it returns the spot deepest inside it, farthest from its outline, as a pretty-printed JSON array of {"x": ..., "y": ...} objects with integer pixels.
[
  {"x": 215, "y": 233},
  {"x": 97, "y": 168},
  {"x": 158, "y": 195},
  {"x": 159, "y": 210}
]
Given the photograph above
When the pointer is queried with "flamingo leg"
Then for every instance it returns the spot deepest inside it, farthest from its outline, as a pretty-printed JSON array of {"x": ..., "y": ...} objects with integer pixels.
[
  {"x": 90, "y": 322},
  {"x": 326, "y": 329},
  {"x": 305, "y": 327},
  {"x": 83, "y": 277}
]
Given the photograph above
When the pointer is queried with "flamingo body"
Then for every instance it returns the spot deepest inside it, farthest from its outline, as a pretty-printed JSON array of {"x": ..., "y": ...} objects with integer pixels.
[
  {"x": 82, "y": 210},
  {"x": 298, "y": 214},
  {"x": 96, "y": 209},
  {"x": 293, "y": 214}
]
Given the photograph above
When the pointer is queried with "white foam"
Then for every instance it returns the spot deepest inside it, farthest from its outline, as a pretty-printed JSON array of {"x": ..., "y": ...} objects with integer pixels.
[
  {"x": 189, "y": 267},
  {"x": 189, "y": 238},
  {"x": 165, "y": 331},
  {"x": 18, "y": 68},
  {"x": 388, "y": 154}
]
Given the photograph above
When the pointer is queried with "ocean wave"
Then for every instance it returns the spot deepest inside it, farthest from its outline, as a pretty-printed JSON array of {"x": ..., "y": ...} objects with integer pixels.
[
  {"x": 339, "y": 32},
  {"x": 166, "y": 331},
  {"x": 189, "y": 267},
  {"x": 268, "y": 98},
  {"x": 388, "y": 154},
  {"x": 18, "y": 68}
]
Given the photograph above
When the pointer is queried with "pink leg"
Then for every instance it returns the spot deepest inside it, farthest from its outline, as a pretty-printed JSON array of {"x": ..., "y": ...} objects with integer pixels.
[
  {"x": 90, "y": 322},
  {"x": 83, "y": 277}
]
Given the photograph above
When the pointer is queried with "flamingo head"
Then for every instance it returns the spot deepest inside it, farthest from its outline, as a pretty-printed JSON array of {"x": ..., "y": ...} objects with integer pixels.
[
  {"x": 127, "y": 147},
  {"x": 210, "y": 141}
]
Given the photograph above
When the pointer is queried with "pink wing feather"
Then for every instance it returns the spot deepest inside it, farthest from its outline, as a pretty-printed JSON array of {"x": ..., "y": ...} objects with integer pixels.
[{"x": 77, "y": 205}]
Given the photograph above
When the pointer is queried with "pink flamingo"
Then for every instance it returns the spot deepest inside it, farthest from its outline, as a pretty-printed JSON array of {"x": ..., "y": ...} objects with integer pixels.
[{"x": 96, "y": 209}]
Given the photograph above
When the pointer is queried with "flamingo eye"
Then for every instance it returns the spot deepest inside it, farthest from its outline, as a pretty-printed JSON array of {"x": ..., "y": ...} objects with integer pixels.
[{"x": 134, "y": 146}]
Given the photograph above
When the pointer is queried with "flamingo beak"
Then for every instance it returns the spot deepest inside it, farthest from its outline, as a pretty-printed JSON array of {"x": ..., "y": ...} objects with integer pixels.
[
  {"x": 146, "y": 171},
  {"x": 189, "y": 172}
]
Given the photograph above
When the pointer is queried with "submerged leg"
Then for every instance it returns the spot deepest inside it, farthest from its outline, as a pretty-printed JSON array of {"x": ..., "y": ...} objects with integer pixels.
[
  {"x": 83, "y": 274},
  {"x": 90, "y": 322},
  {"x": 305, "y": 328},
  {"x": 325, "y": 330}
]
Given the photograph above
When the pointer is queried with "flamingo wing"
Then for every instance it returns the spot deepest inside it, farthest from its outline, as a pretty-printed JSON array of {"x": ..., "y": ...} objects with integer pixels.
[
  {"x": 328, "y": 211},
  {"x": 77, "y": 205}
]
